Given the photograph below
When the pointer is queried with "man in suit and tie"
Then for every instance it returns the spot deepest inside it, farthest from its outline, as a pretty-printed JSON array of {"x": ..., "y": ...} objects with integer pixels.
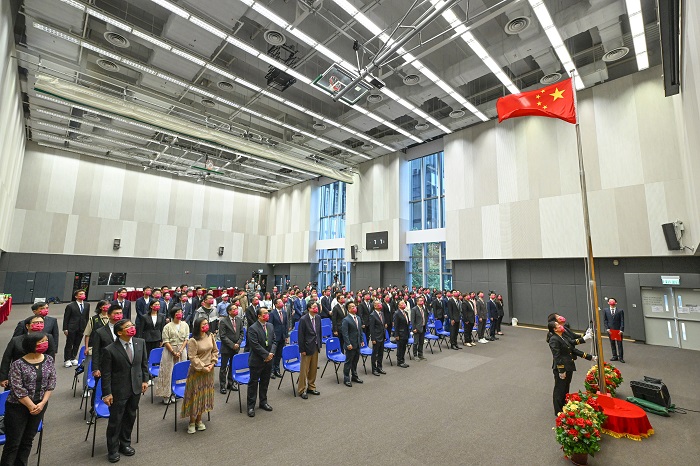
[
  {"x": 103, "y": 337},
  {"x": 337, "y": 317},
  {"x": 326, "y": 304},
  {"x": 198, "y": 298},
  {"x": 364, "y": 311},
  {"x": 481, "y": 312},
  {"x": 401, "y": 332},
  {"x": 454, "y": 311},
  {"x": 438, "y": 310},
  {"x": 260, "y": 339},
  {"x": 124, "y": 303},
  {"x": 492, "y": 312},
  {"x": 50, "y": 327},
  {"x": 125, "y": 377},
  {"x": 278, "y": 318},
  {"x": 251, "y": 313},
  {"x": 299, "y": 307},
  {"x": 143, "y": 303},
  {"x": 615, "y": 320},
  {"x": 230, "y": 335},
  {"x": 419, "y": 319},
  {"x": 376, "y": 331},
  {"x": 351, "y": 329},
  {"x": 388, "y": 309},
  {"x": 468, "y": 312},
  {"x": 309, "y": 347},
  {"x": 75, "y": 319}
]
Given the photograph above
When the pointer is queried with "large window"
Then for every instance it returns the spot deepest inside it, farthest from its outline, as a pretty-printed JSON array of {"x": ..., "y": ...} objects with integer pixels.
[
  {"x": 332, "y": 211},
  {"x": 428, "y": 266},
  {"x": 428, "y": 192},
  {"x": 331, "y": 262}
]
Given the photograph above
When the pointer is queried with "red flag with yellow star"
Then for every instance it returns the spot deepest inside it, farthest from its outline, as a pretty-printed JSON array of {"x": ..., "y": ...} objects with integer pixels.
[{"x": 555, "y": 101}]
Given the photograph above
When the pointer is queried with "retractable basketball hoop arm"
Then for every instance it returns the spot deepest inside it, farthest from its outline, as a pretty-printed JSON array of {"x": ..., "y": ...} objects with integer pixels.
[{"x": 381, "y": 58}]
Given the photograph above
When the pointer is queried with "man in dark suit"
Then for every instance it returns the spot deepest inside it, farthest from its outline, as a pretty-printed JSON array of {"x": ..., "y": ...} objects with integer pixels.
[
  {"x": 326, "y": 304},
  {"x": 351, "y": 329},
  {"x": 75, "y": 319},
  {"x": 376, "y": 332},
  {"x": 260, "y": 339},
  {"x": 337, "y": 317},
  {"x": 125, "y": 377},
  {"x": 615, "y": 320},
  {"x": 364, "y": 310},
  {"x": 198, "y": 297},
  {"x": 299, "y": 307},
  {"x": 251, "y": 313},
  {"x": 438, "y": 310},
  {"x": 142, "y": 304},
  {"x": 468, "y": 312},
  {"x": 481, "y": 312},
  {"x": 230, "y": 335},
  {"x": 187, "y": 311},
  {"x": 50, "y": 327},
  {"x": 309, "y": 347},
  {"x": 388, "y": 309},
  {"x": 419, "y": 320},
  {"x": 454, "y": 311},
  {"x": 278, "y": 318},
  {"x": 103, "y": 337},
  {"x": 401, "y": 332},
  {"x": 124, "y": 303},
  {"x": 492, "y": 312}
]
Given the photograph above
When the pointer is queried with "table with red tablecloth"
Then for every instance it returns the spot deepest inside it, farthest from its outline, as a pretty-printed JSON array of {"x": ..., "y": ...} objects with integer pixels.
[
  {"x": 624, "y": 419},
  {"x": 5, "y": 310}
]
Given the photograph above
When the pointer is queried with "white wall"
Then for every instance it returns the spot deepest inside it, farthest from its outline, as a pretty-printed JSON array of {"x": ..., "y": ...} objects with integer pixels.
[
  {"x": 512, "y": 189},
  {"x": 12, "y": 139},
  {"x": 293, "y": 224}
]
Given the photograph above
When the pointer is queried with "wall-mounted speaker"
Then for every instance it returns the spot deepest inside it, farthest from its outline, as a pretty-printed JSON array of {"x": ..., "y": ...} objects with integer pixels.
[
  {"x": 221, "y": 251},
  {"x": 117, "y": 243},
  {"x": 671, "y": 239},
  {"x": 353, "y": 252}
]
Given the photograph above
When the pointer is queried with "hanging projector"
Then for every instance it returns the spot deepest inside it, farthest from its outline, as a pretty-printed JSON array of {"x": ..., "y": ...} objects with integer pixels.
[{"x": 337, "y": 78}]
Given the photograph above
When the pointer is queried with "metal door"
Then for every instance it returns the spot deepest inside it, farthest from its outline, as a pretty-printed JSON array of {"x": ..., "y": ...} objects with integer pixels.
[
  {"x": 672, "y": 316},
  {"x": 20, "y": 285},
  {"x": 688, "y": 317}
]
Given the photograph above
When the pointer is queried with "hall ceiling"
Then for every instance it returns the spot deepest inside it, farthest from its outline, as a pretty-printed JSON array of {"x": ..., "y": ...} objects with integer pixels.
[{"x": 210, "y": 64}]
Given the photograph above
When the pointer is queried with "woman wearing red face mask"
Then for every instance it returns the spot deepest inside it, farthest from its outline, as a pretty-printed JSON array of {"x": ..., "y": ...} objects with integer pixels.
[
  {"x": 15, "y": 348},
  {"x": 96, "y": 322},
  {"x": 150, "y": 326},
  {"x": 175, "y": 336},
  {"x": 32, "y": 380},
  {"x": 574, "y": 338},
  {"x": 199, "y": 390}
]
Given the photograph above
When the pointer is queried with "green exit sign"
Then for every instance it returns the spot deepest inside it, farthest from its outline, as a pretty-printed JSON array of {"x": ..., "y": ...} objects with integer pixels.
[{"x": 670, "y": 280}]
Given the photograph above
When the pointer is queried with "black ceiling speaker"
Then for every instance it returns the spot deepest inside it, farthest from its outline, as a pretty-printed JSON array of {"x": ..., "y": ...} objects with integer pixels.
[
  {"x": 353, "y": 252},
  {"x": 671, "y": 239}
]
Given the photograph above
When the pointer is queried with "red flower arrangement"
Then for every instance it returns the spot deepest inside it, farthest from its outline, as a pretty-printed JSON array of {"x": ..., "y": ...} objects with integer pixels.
[
  {"x": 578, "y": 425},
  {"x": 613, "y": 379}
]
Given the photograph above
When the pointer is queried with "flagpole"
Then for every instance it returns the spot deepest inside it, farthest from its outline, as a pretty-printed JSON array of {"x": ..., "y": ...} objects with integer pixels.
[{"x": 592, "y": 303}]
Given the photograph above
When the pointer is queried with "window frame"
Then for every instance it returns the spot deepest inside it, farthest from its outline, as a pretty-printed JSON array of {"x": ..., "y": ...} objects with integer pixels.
[{"x": 434, "y": 201}]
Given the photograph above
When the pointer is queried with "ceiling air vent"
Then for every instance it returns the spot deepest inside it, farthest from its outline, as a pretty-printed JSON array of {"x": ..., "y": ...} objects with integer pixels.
[
  {"x": 517, "y": 25},
  {"x": 116, "y": 39},
  {"x": 274, "y": 37},
  {"x": 459, "y": 113},
  {"x": 550, "y": 78},
  {"x": 107, "y": 65},
  {"x": 411, "y": 79},
  {"x": 367, "y": 146},
  {"x": 225, "y": 86},
  {"x": 615, "y": 54},
  {"x": 208, "y": 103},
  {"x": 297, "y": 137},
  {"x": 422, "y": 126},
  {"x": 374, "y": 98},
  {"x": 91, "y": 117},
  {"x": 319, "y": 126}
]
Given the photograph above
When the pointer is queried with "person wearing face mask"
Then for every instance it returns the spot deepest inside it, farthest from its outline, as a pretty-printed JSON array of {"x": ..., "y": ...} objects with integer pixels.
[
  {"x": 339, "y": 313},
  {"x": 261, "y": 339},
  {"x": 199, "y": 389},
  {"x": 278, "y": 319},
  {"x": 377, "y": 329},
  {"x": 230, "y": 335},
  {"x": 96, "y": 322},
  {"x": 207, "y": 310},
  {"x": 309, "y": 347},
  {"x": 574, "y": 338},
  {"x": 104, "y": 336},
  {"x": 614, "y": 322},
  {"x": 15, "y": 347},
  {"x": 481, "y": 312},
  {"x": 123, "y": 303},
  {"x": 401, "y": 332},
  {"x": 32, "y": 379},
  {"x": 251, "y": 313},
  {"x": 563, "y": 364},
  {"x": 143, "y": 302},
  {"x": 175, "y": 336},
  {"x": 149, "y": 327},
  {"x": 351, "y": 328},
  {"x": 124, "y": 367},
  {"x": 50, "y": 327}
]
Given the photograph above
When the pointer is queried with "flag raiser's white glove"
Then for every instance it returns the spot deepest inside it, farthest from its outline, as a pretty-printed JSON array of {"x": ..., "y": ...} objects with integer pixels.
[{"x": 587, "y": 337}]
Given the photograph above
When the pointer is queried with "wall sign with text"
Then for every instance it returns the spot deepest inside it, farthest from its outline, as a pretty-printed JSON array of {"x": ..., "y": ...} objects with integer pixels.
[{"x": 378, "y": 240}]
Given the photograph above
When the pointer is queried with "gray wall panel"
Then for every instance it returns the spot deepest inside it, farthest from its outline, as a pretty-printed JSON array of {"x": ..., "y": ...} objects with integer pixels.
[
  {"x": 542, "y": 302},
  {"x": 563, "y": 271},
  {"x": 564, "y": 298},
  {"x": 522, "y": 302},
  {"x": 540, "y": 271}
]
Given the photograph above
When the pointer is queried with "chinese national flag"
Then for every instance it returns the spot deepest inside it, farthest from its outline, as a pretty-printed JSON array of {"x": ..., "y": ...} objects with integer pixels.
[{"x": 555, "y": 101}]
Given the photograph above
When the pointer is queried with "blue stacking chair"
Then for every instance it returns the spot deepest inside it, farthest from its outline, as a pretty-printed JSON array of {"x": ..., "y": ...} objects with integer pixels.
[
  {"x": 411, "y": 341},
  {"x": 294, "y": 337},
  {"x": 461, "y": 331},
  {"x": 3, "y": 400},
  {"x": 475, "y": 329},
  {"x": 326, "y": 333},
  {"x": 291, "y": 361},
  {"x": 101, "y": 411},
  {"x": 326, "y": 321},
  {"x": 78, "y": 369},
  {"x": 296, "y": 325},
  {"x": 40, "y": 430},
  {"x": 177, "y": 385},
  {"x": 430, "y": 338},
  {"x": 389, "y": 346},
  {"x": 240, "y": 374},
  {"x": 334, "y": 355},
  {"x": 154, "y": 365},
  {"x": 218, "y": 349},
  {"x": 244, "y": 340},
  {"x": 441, "y": 333},
  {"x": 89, "y": 386},
  {"x": 365, "y": 352}
]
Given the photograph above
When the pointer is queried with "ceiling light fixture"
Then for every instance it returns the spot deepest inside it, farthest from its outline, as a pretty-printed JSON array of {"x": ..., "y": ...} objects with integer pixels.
[
  {"x": 172, "y": 7},
  {"x": 208, "y": 27},
  {"x": 100, "y": 50},
  {"x": 107, "y": 19},
  {"x": 151, "y": 39},
  {"x": 634, "y": 13},
  {"x": 257, "y": 6},
  {"x": 188, "y": 56}
]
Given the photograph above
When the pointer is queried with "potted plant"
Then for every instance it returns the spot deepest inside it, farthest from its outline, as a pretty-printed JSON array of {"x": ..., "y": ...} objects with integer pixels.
[
  {"x": 578, "y": 428},
  {"x": 613, "y": 379}
]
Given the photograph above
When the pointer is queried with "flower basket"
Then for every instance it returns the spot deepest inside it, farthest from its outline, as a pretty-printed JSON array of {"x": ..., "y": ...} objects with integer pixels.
[
  {"x": 578, "y": 426},
  {"x": 613, "y": 379}
]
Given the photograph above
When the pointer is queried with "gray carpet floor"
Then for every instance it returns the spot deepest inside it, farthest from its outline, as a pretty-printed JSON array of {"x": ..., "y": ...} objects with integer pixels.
[{"x": 487, "y": 405}]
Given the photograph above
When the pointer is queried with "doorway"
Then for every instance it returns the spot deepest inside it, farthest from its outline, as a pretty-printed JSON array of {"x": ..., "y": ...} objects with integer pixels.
[{"x": 672, "y": 316}]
